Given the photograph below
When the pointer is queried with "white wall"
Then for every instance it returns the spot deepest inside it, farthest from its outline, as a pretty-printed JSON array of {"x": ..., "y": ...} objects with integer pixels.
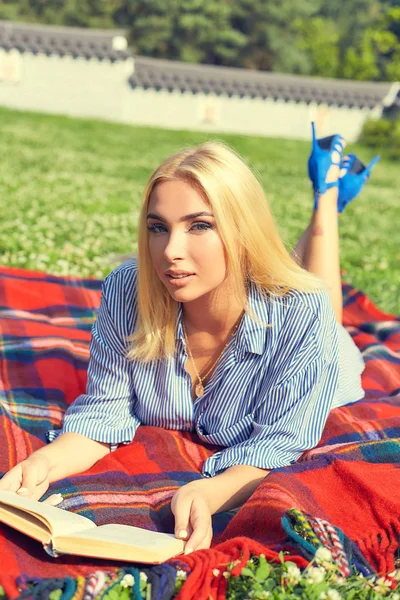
[
  {"x": 100, "y": 89},
  {"x": 243, "y": 115},
  {"x": 69, "y": 86}
]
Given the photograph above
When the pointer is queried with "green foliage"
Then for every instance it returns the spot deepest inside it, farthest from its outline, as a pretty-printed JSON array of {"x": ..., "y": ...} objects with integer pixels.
[
  {"x": 321, "y": 580},
  {"x": 319, "y": 38},
  {"x": 77, "y": 13},
  {"x": 384, "y": 135},
  {"x": 271, "y": 30},
  {"x": 377, "y": 54},
  {"x": 190, "y": 30},
  {"x": 376, "y": 132}
]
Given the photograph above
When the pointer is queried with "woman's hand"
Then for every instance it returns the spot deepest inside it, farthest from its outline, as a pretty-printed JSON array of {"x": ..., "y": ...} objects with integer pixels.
[
  {"x": 192, "y": 517},
  {"x": 30, "y": 479}
]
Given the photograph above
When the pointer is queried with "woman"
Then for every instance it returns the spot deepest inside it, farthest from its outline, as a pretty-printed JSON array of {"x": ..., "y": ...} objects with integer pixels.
[{"x": 218, "y": 329}]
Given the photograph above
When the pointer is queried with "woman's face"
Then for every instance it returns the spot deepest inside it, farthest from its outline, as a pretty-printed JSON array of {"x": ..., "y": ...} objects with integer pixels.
[{"x": 184, "y": 242}]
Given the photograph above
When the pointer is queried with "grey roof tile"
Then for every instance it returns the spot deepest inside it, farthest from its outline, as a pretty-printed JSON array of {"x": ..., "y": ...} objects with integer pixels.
[
  {"x": 167, "y": 74},
  {"x": 51, "y": 39}
]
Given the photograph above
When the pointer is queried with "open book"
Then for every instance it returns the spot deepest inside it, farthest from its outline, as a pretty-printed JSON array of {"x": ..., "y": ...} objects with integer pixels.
[{"x": 62, "y": 532}]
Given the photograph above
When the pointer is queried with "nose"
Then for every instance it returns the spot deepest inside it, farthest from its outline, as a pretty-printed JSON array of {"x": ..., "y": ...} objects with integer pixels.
[{"x": 175, "y": 248}]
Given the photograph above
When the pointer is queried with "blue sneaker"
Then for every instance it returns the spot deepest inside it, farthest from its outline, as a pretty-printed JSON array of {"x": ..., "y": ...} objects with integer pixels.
[
  {"x": 325, "y": 152},
  {"x": 353, "y": 176}
]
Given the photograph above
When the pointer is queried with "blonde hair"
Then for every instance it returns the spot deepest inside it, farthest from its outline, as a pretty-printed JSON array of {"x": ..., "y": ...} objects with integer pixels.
[{"x": 255, "y": 251}]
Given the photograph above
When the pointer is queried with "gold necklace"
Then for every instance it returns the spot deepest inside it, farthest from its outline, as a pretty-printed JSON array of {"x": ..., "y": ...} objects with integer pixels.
[{"x": 199, "y": 387}]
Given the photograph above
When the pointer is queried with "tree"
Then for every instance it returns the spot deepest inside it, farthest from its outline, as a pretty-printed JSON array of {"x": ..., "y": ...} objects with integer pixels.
[
  {"x": 388, "y": 43},
  {"x": 378, "y": 55},
  {"x": 271, "y": 28},
  {"x": 79, "y": 13},
  {"x": 319, "y": 38},
  {"x": 352, "y": 18},
  {"x": 188, "y": 30}
]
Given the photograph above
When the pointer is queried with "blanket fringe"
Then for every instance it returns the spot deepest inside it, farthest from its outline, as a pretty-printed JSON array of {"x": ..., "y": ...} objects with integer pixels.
[
  {"x": 380, "y": 548},
  {"x": 203, "y": 564}
]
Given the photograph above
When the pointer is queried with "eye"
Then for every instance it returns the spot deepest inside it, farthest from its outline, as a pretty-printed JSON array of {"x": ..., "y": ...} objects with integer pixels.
[
  {"x": 201, "y": 226},
  {"x": 156, "y": 228}
]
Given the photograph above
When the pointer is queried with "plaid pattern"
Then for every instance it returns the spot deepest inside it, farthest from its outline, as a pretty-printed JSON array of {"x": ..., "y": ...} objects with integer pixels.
[{"x": 45, "y": 324}]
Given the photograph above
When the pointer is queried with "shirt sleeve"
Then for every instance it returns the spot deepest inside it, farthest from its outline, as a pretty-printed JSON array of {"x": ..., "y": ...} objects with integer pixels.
[
  {"x": 295, "y": 398},
  {"x": 104, "y": 413}
]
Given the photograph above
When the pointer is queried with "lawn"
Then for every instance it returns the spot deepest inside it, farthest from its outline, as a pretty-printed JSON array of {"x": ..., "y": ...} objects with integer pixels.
[{"x": 71, "y": 189}]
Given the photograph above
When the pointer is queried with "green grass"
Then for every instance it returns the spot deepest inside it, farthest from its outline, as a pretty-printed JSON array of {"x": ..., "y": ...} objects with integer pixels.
[{"x": 70, "y": 192}]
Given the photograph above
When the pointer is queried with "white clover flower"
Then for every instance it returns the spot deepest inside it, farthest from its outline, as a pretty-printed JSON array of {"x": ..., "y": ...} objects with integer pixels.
[
  {"x": 323, "y": 555},
  {"x": 215, "y": 572},
  {"x": 264, "y": 594},
  {"x": 315, "y": 575},
  {"x": 127, "y": 581},
  {"x": 143, "y": 577},
  {"x": 382, "y": 585},
  {"x": 395, "y": 596},
  {"x": 333, "y": 595},
  {"x": 181, "y": 574},
  {"x": 293, "y": 575},
  {"x": 323, "y": 596}
]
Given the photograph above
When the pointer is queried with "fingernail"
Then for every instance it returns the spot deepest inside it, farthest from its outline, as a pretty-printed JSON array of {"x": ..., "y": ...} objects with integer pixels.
[
  {"x": 182, "y": 533},
  {"x": 22, "y": 490}
]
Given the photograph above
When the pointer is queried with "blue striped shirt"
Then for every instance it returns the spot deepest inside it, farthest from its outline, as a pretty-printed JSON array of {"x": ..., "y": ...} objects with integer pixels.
[{"x": 266, "y": 402}]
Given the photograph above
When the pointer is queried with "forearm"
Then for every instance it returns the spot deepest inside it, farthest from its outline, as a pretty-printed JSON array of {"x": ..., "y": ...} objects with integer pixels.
[
  {"x": 231, "y": 488},
  {"x": 71, "y": 453}
]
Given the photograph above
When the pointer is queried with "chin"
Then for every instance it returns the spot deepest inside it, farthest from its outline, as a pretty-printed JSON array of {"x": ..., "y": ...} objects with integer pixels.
[
  {"x": 183, "y": 295},
  {"x": 186, "y": 295}
]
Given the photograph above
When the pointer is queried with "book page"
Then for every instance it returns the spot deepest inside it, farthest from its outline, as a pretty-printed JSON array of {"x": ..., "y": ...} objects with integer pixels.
[
  {"x": 56, "y": 520},
  {"x": 26, "y": 523},
  {"x": 122, "y": 542}
]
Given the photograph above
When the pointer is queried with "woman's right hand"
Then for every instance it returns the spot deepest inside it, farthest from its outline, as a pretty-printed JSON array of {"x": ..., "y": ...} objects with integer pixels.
[
  {"x": 69, "y": 454},
  {"x": 29, "y": 478}
]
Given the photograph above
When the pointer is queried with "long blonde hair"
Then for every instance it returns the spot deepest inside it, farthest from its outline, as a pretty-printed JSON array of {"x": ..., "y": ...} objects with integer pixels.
[{"x": 255, "y": 251}]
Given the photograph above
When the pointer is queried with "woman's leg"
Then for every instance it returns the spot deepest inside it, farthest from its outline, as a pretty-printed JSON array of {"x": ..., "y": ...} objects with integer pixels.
[{"x": 318, "y": 247}]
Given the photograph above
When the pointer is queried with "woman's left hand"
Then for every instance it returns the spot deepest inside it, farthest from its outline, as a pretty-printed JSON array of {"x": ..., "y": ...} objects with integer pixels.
[{"x": 192, "y": 517}]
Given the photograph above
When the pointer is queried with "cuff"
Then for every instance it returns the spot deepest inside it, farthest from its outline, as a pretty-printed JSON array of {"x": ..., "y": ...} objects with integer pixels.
[{"x": 249, "y": 455}]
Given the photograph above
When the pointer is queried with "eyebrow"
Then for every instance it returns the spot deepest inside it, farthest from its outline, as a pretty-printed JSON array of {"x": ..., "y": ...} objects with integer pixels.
[{"x": 185, "y": 218}]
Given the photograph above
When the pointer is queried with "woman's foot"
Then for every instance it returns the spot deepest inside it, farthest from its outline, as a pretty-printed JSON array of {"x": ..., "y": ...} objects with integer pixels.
[
  {"x": 324, "y": 163},
  {"x": 353, "y": 176}
]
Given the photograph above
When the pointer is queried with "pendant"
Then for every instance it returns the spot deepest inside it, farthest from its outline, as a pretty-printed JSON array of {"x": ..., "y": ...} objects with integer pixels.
[{"x": 199, "y": 389}]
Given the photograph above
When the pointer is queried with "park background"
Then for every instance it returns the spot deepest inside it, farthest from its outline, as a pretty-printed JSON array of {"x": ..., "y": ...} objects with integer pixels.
[{"x": 70, "y": 189}]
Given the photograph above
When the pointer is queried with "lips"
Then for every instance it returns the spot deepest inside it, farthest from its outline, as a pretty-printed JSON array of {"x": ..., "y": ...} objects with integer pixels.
[
  {"x": 179, "y": 279},
  {"x": 178, "y": 273}
]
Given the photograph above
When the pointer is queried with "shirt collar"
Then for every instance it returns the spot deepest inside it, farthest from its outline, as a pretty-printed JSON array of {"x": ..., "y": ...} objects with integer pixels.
[{"x": 250, "y": 336}]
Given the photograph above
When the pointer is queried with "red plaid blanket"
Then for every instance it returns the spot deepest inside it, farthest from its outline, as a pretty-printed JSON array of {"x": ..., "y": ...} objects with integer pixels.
[{"x": 351, "y": 478}]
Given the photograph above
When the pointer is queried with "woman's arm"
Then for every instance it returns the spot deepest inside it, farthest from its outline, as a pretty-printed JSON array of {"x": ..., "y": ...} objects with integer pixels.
[
  {"x": 231, "y": 488},
  {"x": 69, "y": 454}
]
